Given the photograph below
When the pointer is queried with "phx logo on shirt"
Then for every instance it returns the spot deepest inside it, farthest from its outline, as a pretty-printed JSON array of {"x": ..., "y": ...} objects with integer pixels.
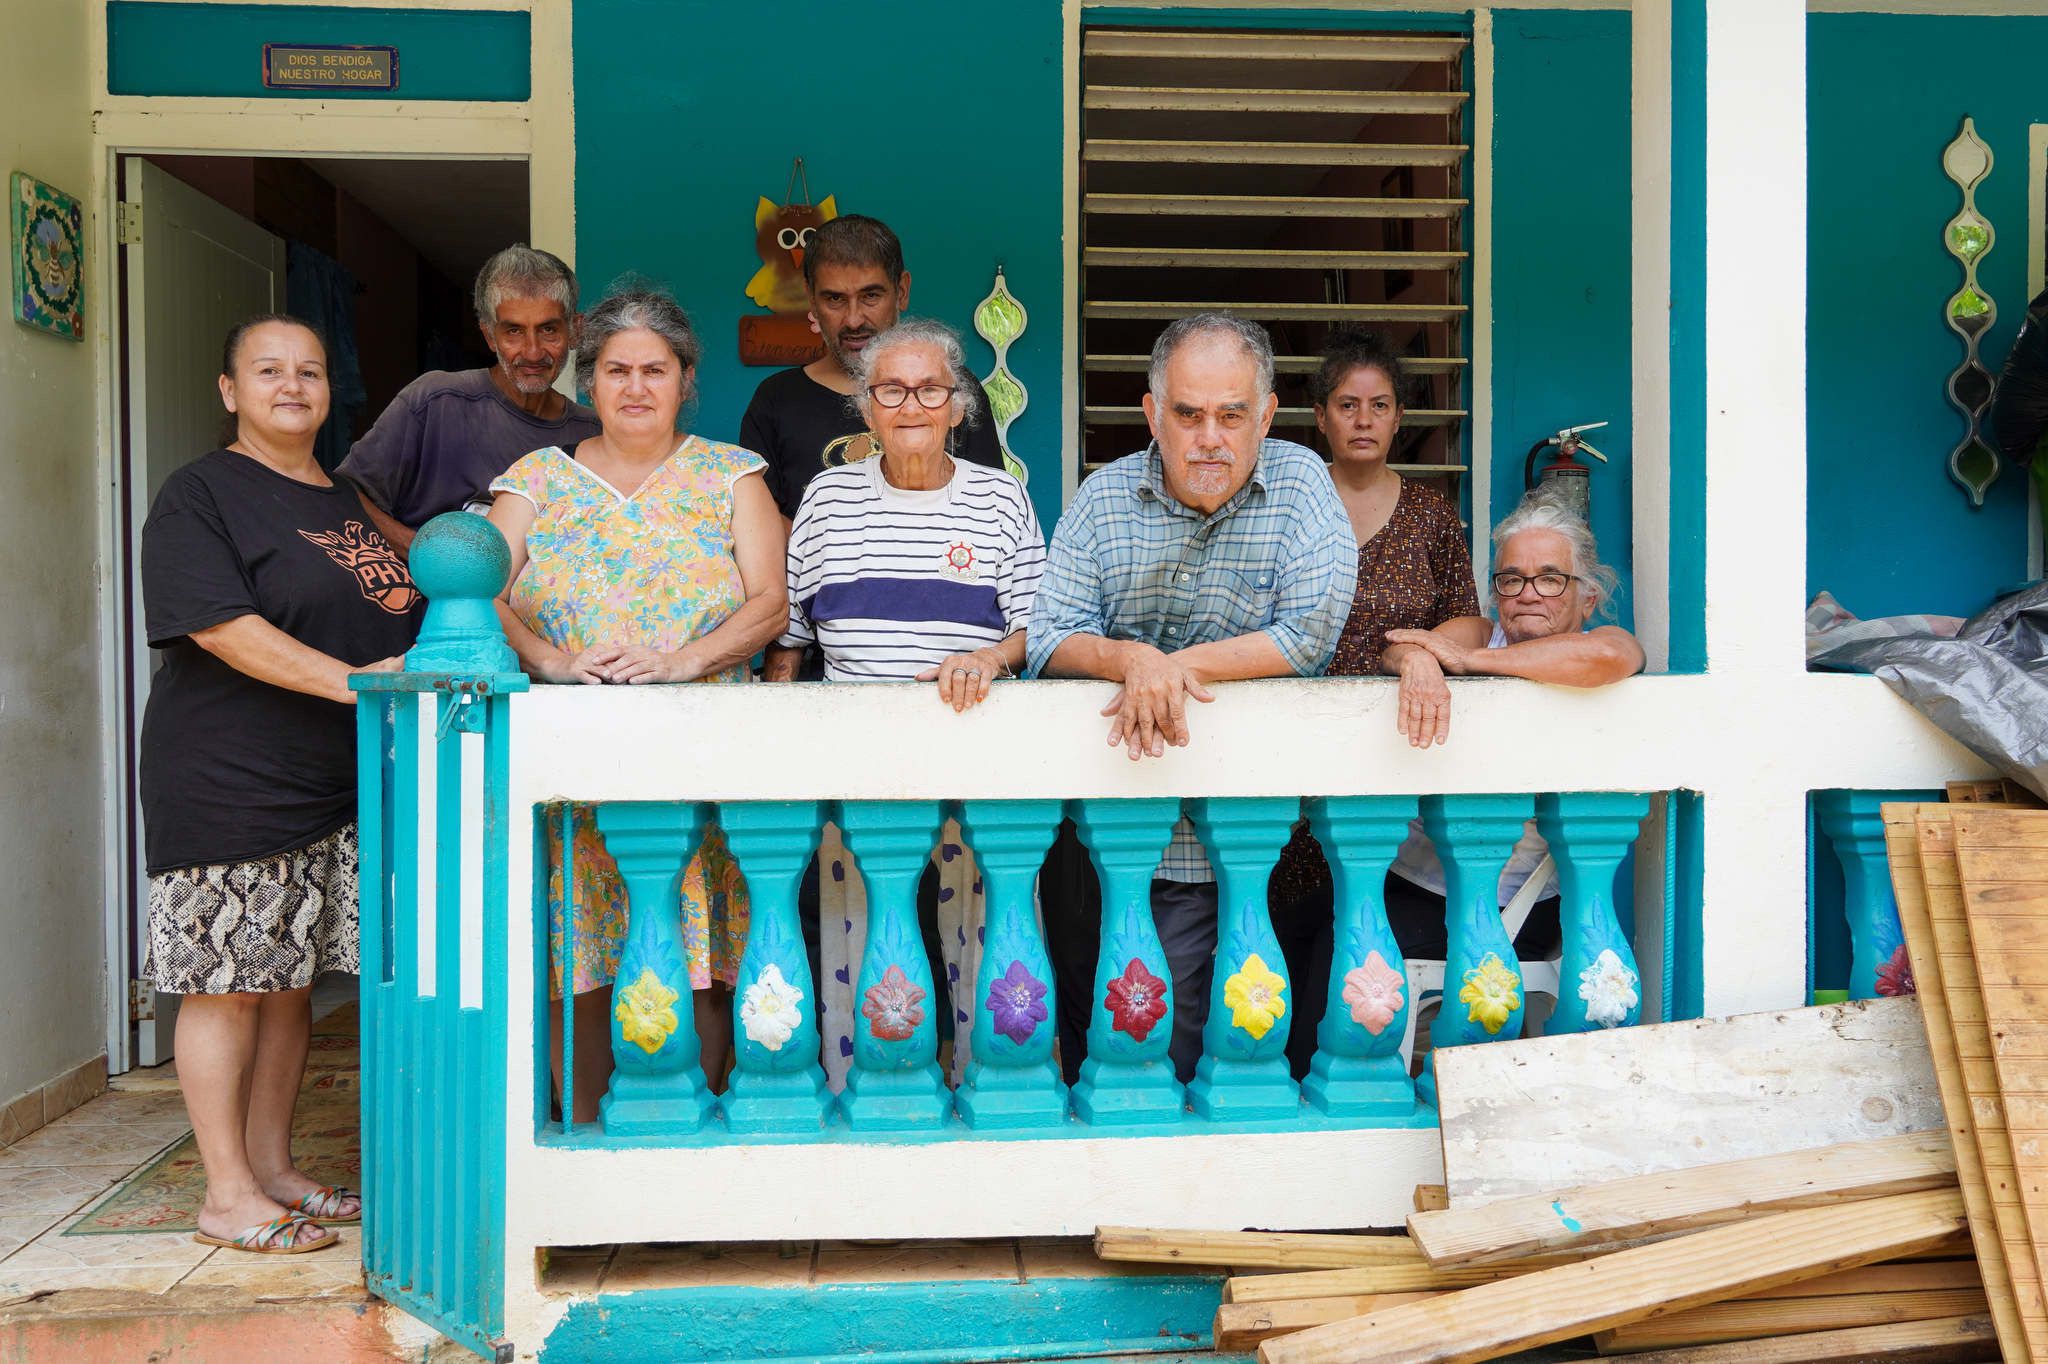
[{"x": 378, "y": 572}]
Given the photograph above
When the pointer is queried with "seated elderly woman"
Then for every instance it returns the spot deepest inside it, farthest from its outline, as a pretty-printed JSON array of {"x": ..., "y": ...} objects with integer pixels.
[
  {"x": 642, "y": 555},
  {"x": 909, "y": 566}
]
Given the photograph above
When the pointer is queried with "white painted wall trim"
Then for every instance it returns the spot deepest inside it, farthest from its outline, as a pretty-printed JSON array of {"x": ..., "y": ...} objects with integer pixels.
[
  {"x": 1070, "y": 250},
  {"x": 1979, "y": 9},
  {"x": 1650, "y": 325},
  {"x": 1479, "y": 325}
]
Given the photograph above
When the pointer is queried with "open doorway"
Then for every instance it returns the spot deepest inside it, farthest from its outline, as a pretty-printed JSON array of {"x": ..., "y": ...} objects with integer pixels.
[{"x": 380, "y": 253}]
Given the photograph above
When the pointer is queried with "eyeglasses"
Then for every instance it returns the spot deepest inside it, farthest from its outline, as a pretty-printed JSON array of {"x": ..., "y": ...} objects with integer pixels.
[
  {"x": 1547, "y": 584},
  {"x": 928, "y": 395}
]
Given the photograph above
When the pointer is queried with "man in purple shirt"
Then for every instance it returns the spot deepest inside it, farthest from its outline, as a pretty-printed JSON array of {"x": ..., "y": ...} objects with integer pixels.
[{"x": 447, "y": 435}]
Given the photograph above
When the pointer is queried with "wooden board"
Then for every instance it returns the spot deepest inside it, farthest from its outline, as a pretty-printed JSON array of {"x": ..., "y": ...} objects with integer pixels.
[
  {"x": 1242, "y": 1325},
  {"x": 1253, "y": 1249},
  {"x": 1950, "y": 1340},
  {"x": 2002, "y": 862},
  {"x": 1752, "y": 1318},
  {"x": 1431, "y": 1197},
  {"x": 1550, "y": 1113},
  {"x": 1934, "y": 976},
  {"x": 1682, "y": 1200},
  {"x": 1612, "y": 1290}
]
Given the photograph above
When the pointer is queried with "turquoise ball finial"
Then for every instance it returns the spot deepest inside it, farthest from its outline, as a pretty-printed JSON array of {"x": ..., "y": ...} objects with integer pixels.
[{"x": 460, "y": 563}]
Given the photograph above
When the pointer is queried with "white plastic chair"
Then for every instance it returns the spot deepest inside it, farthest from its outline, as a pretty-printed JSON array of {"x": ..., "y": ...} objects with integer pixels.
[{"x": 1426, "y": 975}]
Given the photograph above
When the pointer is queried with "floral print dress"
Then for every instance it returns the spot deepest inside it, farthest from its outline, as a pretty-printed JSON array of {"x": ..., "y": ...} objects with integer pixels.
[{"x": 654, "y": 568}]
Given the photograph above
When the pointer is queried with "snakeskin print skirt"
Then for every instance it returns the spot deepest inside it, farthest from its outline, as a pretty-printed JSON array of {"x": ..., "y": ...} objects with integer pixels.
[{"x": 250, "y": 927}]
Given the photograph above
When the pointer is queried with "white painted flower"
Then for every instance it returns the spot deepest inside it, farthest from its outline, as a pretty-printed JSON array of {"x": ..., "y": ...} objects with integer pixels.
[
  {"x": 768, "y": 1010},
  {"x": 1609, "y": 989}
]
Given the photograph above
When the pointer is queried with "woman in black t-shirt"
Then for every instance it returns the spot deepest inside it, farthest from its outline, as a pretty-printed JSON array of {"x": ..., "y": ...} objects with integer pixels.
[{"x": 265, "y": 585}]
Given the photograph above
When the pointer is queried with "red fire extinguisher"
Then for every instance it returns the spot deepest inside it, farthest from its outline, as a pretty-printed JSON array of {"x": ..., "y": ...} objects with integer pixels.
[{"x": 1570, "y": 480}]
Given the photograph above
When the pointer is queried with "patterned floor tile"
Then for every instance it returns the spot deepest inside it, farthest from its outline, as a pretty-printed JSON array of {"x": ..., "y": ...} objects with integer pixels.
[
  {"x": 62, "y": 1146},
  {"x": 31, "y": 1189},
  {"x": 16, "y": 1232}
]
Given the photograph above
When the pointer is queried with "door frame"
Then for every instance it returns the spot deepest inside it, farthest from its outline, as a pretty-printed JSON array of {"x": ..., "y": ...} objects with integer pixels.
[{"x": 127, "y": 125}]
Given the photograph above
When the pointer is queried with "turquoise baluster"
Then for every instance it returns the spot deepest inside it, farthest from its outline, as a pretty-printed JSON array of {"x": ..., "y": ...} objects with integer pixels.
[
  {"x": 1128, "y": 1080},
  {"x": 777, "y": 1085},
  {"x": 1357, "y": 1071},
  {"x": 895, "y": 1083},
  {"x": 1013, "y": 1081},
  {"x": 658, "y": 1090},
  {"x": 1854, "y": 824},
  {"x": 1474, "y": 836},
  {"x": 1243, "y": 1074},
  {"x": 1598, "y": 982}
]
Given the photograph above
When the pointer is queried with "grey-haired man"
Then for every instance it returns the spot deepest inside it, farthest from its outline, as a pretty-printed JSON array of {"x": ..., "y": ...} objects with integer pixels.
[{"x": 448, "y": 434}]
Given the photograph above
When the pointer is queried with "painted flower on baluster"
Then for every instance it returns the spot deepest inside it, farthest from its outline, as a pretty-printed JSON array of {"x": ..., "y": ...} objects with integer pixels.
[
  {"x": 768, "y": 1010},
  {"x": 1491, "y": 992},
  {"x": 1254, "y": 996},
  {"x": 646, "y": 1012},
  {"x": 1136, "y": 1000},
  {"x": 1609, "y": 989},
  {"x": 1374, "y": 993},
  {"x": 1016, "y": 1003},
  {"x": 892, "y": 1008},
  {"x": 1895, "y": 977}
]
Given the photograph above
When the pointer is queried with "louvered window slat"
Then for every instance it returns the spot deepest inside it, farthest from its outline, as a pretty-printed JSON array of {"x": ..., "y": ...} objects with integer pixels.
[{"x": 1304, "y": 180}]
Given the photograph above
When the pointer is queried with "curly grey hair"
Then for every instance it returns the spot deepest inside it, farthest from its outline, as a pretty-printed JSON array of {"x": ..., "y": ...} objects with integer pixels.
[
  {"x": 522, "y": 271},
  {"x": 1197, "y": 326},
  {"x": 633, "y": 304},
  {"x": 920, "y": 331},
  {"x": 1542, "y": 509}
]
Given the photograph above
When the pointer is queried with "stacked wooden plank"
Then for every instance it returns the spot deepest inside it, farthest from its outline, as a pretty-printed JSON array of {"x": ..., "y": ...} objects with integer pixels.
[
  {"x": 1971, "y": 881},
  {"x": 1776, "y": 1187}
]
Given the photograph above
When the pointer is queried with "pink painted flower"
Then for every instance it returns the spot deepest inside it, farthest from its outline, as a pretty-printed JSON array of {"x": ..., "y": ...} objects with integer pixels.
[
  {"x": 1895, "y": 977},
  {"x": 1373, "y": 991},
  {"x": 892, "y": 1006},
  {"x": 1136, "y": 1000}
]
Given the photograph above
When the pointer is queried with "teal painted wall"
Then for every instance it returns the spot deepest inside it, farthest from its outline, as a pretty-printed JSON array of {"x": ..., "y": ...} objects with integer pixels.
[
  {"x": 1687, "y": 570},
  {"x": 1887, "y": 530},
  {"x": 948, "y": 132},
  {"x": 201, "y": 49},
  {"x": 1561, "y": 255}
]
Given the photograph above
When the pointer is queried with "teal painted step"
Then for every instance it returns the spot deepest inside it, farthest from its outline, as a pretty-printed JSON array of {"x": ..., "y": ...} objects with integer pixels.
[{"x": 1154, "y": 1317}]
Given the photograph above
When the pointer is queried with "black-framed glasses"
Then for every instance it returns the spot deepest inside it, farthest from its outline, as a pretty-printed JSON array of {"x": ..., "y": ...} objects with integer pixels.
[
  {"x": 928, "y": 395},
  {"x": 1547, "y": 584}
]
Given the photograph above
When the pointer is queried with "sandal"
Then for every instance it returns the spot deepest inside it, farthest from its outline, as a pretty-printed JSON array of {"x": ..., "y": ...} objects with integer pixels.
[
  {"x": 279, "y": 1236},
  {"x": 322, "y": 1203}
]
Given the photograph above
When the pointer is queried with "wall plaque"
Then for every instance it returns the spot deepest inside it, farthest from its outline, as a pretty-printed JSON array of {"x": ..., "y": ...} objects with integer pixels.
[{"x": 329, "y": 66}]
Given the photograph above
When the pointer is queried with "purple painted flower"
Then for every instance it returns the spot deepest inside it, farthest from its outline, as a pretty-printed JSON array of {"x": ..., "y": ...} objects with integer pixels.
[{"x": 1016, "y": 1001}]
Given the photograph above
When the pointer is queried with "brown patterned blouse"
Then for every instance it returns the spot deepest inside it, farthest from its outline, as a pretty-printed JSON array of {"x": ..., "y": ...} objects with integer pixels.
[{"x": 1414, "y": 575}]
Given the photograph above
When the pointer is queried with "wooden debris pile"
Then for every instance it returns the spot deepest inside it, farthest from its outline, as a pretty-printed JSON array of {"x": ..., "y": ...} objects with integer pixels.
[{"x": 1770, "y": 1188}]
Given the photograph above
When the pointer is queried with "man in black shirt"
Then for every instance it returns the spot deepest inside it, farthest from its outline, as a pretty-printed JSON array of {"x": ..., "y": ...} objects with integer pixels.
[{"x": 802, "y": 421}]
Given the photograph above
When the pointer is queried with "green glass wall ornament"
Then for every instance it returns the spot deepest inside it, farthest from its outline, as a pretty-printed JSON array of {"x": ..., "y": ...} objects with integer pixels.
[
  {"x": 1000, "y": 319},
  {"x": 1970, "y": 312}
]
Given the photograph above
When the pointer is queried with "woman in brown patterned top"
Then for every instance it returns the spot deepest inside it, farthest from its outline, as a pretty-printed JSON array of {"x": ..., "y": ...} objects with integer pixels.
[{"x": 1414, "y": 573}]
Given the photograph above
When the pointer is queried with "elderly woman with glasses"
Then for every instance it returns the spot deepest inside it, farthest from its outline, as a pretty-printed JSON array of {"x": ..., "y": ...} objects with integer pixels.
[{"x": 909, "y": 566}]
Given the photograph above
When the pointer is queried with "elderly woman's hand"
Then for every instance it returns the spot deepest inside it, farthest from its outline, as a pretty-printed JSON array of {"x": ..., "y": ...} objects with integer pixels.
[
  {"x": 964, "y": 679},
  {"x": 573, "y": 668},
  {"x": 1425, "y": 702},
  {"x": 636, "y": 663}
]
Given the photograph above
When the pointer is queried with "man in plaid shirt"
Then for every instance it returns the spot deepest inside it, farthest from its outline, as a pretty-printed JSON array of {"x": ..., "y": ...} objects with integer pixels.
[{"x": 1214, "y": 554}]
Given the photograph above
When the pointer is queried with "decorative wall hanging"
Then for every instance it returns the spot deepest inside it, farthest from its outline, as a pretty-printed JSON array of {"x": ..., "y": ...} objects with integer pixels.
[
  {"x": 1000, "y": 319},
  {"x": 1970, "y": 312},
  {"x": 49, "y": 257},
  {"x": 782, "y": 233}
]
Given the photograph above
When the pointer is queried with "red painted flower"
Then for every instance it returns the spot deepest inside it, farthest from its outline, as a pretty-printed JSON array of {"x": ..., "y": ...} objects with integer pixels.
[
  {"x": 1136, "y": 1000},
  {"x": 892, "y": 1006},
  {"x": 1895, "y": 977}
]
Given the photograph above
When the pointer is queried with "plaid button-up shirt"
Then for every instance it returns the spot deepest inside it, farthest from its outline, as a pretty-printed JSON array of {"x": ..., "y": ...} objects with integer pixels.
[{"x": 1130, "y": 562}]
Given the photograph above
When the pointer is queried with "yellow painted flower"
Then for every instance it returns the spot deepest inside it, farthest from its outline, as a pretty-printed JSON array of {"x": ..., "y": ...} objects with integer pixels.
[
  {"x": 1491, "y": 993},
  {"x": 646, "y": 1013},
  {"x": 1254, "y": 996}
]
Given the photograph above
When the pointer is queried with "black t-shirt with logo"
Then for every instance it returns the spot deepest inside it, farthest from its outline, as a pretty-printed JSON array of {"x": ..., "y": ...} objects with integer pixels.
[
  {"x": 234, "y": 769},
  {"x": 802, "y": 427}
]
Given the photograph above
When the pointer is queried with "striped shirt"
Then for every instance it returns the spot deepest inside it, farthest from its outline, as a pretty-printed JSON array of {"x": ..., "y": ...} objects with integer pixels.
[
  {"x": 1130, "y": 562},
  {"x": 888, "y": 582}
]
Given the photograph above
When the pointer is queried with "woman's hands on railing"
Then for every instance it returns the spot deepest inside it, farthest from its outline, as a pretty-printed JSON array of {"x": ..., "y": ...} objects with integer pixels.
[
  {"x": 621, "y": 664},
  {"x": 1424, "y": 710}
]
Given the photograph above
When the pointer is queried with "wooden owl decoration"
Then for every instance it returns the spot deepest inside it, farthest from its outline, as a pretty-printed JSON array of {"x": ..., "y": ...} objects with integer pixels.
[{"x": 782, "y": 232}]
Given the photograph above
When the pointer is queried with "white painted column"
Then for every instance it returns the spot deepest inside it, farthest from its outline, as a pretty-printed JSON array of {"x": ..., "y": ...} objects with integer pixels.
[
  {"x": 1650, "y": 324},
  {"x": 1754, "y": 953}
]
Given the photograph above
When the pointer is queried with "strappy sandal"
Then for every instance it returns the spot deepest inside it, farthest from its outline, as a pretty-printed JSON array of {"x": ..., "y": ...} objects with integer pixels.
[
  {"x": 279, "y": 1236},
  {"x": 320, "y": 1205}
]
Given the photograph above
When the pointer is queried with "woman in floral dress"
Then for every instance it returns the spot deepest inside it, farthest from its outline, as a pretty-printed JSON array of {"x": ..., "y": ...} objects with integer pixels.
[{"x": 640, "y": 556}]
